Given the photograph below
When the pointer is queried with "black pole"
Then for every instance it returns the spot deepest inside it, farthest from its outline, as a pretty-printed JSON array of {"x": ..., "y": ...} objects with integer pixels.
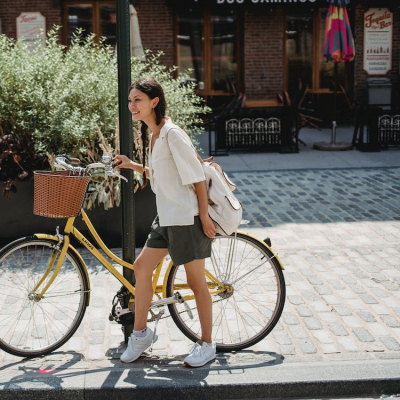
[
  {"x": 126, "y": 141},
  {"x": 335, "y": 92},
  {"x": 334, "y": 123}
]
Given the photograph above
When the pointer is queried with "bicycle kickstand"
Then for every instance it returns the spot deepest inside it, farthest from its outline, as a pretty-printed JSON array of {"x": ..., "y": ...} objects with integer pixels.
[{"x": 159, "y": 315}]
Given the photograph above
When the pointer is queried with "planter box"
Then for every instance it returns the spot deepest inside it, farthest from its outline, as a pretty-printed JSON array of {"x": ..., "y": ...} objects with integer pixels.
[{"x": 17, "y": 218}]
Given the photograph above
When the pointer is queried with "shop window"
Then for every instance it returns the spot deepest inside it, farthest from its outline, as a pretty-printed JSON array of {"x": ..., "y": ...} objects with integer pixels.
[
  {"x": 190, "y": 46},
  {"x": 208, "y": 43},
  {"x": 98, "y": 17},
  {"x": 305, "y": 36},
  {"x": 299, "y": 50},
  {"x": 224, "y": 51}
]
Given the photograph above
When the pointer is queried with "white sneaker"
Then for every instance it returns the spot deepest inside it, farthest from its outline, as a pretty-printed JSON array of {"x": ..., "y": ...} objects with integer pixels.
[
  {"x": 201, "y": 355},
  {"x": 137, "y": 345}
]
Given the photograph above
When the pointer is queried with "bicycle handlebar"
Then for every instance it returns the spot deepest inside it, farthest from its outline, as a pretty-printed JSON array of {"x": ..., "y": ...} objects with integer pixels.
[{"x": 63, "y": 161}]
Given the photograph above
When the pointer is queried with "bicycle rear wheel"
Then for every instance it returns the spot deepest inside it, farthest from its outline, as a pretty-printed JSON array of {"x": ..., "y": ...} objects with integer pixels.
[
  {"x": 29, "y": 326},
  {"x": 249, "y": 310}
]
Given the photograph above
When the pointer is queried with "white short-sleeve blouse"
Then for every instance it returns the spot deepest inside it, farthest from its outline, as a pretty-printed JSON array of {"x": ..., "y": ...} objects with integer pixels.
[{"x": 174, "y": 167}]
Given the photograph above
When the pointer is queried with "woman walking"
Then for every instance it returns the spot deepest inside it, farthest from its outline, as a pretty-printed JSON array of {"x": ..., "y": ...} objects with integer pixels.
[{"x": 182, "y": 227}]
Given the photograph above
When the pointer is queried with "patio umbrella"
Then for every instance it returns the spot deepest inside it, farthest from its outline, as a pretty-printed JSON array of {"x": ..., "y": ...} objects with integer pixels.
[
  {"x": 338, "y": 48},
  {"x": 136, "y": 41}
]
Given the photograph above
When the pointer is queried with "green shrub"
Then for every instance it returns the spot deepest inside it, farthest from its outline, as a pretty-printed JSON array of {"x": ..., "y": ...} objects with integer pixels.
[{"x": 55, "y": 100}]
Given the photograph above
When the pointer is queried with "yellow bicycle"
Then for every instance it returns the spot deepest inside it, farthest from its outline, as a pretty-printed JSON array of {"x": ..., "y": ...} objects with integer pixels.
[{"x": 45, "y": 286}]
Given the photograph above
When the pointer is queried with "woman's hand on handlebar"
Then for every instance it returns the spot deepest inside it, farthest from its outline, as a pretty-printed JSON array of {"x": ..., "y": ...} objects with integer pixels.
[{"x": 122, "y": 162}]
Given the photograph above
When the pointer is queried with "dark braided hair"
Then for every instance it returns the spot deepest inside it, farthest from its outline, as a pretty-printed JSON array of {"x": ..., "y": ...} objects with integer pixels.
[{"x": 153, "y": 89}]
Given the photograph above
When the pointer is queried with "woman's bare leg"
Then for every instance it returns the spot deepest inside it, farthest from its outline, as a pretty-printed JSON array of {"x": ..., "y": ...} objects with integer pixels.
[
  {"x": 143, "y": 267},
  {"x": 195, "y": 273}
]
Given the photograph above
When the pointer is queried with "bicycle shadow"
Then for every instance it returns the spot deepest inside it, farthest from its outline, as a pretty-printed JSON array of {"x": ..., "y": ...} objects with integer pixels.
[
  {"x": 147, "y": 373},
  {"x": 37, "y": 373}
]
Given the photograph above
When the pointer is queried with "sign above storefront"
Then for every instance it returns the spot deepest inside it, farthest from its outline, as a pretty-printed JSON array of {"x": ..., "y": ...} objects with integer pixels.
[
  {"x": 378, "y": 33},
  {"x": 221, "y": 3}
]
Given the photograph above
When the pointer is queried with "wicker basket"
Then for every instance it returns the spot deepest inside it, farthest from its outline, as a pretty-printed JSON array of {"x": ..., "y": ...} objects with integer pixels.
[{"x": 59, "y": 194}]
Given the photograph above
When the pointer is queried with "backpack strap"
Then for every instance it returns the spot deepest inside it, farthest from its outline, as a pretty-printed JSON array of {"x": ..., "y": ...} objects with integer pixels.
[{"x": 209, "y": 159}]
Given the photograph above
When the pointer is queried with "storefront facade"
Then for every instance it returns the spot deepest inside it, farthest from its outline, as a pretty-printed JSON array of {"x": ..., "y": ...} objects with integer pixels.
[{"x": 256, "y": 47}]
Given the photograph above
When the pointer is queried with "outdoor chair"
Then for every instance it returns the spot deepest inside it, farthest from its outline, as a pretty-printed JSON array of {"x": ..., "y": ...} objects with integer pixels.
[
  {"x": 231, "y": 110},
  {"x": 301, "y": 115},
  {"x": 307, "y": 115}
]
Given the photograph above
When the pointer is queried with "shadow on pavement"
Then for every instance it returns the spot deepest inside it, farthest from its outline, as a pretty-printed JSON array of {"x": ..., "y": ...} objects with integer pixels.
[{"x": 73, "y": 372}]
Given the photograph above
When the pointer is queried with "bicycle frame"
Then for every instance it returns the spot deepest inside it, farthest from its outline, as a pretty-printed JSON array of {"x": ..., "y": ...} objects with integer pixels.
[{"x": 71, "y": 230}]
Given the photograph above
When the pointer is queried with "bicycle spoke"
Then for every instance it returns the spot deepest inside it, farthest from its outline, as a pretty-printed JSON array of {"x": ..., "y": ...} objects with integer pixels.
[
  {"x": 61, "y": 280},
  {"x": 50, "y": 321},
  {"x": 265, "y": 275},
  {"x": 59, "y": 309},
  {"x": 15, "y": 325},
  {"x": 13, "y": 295},
  {"x": 21, "y": 282},
  {"x": 250, "y": 272},
  {"x": 251, "y": 300},
  {"x": 61, "y": 294},
  {"x": 47, "y": 313},
  {"x": 241, "y": 317},
  {"x": 10, "y": 325},
  {"x": 27, "y": 325},
  {"x": 220, "y": 314},
  {"x": 245, "y": 256}
]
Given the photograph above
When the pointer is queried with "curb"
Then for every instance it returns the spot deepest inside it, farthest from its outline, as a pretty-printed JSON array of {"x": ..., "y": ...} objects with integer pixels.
[{"x": 159, "y": 382}]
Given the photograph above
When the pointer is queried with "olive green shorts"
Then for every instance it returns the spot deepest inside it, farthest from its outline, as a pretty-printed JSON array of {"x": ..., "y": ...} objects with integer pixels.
[{"x": 184, "y": 243}]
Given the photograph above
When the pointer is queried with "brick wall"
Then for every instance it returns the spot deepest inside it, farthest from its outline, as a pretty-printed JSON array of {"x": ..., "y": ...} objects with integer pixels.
[
  {"x": 156, "y": 28},
  {"x": 263, "y": 53},
  {"x": 11, "y": 9},
  {"x": 360, "y": 76}
]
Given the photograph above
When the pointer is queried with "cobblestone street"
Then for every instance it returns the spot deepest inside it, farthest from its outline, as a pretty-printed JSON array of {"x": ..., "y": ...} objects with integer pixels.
[{"x": 337, "y": 233}]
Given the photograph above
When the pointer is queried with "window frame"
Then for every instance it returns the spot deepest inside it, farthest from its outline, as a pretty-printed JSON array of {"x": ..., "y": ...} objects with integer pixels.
[
  {"x": 208, "y": 52},
  {"x": 95, "y": 14}
]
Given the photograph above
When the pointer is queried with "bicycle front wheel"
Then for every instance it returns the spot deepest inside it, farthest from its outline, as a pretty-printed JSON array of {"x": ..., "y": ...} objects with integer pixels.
[
  {"x": 31, "y": 326},
  {"x": 252, "y": 303}
]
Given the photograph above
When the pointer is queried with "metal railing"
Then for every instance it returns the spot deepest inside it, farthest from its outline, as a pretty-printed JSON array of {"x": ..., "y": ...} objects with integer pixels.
[{"x": 268, "y": 129}]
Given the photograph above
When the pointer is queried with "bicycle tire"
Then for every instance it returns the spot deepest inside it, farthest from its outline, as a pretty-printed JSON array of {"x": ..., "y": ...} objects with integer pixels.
[
  {"x": 30, "y": 327},
  {"x": 249, "y": 314}
]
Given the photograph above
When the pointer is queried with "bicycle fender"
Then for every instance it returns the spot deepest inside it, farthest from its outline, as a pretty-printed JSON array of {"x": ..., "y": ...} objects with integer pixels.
[
  {"x": 264, "y": 244},
  {"x": 76, "y": 254}
]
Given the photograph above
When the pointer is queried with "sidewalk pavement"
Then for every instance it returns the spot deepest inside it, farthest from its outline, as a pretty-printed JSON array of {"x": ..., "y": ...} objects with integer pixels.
[
  {"x": 334, "y": 219},
  {"x": 307, "y": 158}
]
